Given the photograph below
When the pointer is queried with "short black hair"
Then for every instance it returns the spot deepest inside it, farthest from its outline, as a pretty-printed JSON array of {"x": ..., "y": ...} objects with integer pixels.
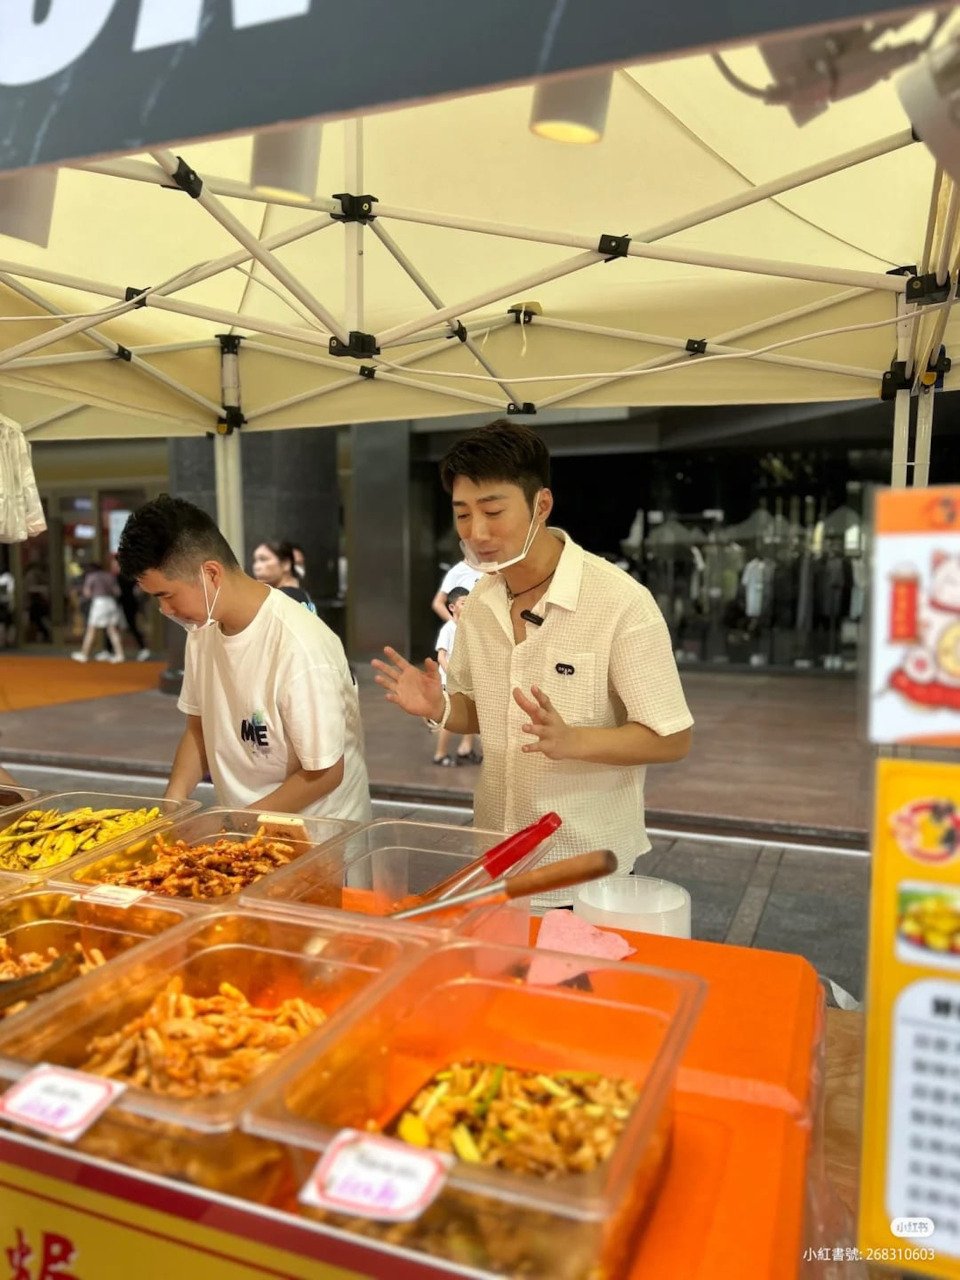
[
  {"x": 455, "y": 594},
  {"x": 172, "y": 536},
  {"x": 501, "y": 450}
]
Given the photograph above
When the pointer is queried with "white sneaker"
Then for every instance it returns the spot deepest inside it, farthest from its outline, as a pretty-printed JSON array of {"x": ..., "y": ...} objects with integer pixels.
[
  {"x": 143, "y": 655},
  {"x": 116, "y": 657},
  {"x": 79, "y": 657},
  {"x": 103, "y": 656}
]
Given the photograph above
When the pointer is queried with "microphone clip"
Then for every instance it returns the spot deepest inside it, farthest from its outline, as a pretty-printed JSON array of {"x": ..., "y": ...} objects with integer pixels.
[{"x": 529, "y": 616}]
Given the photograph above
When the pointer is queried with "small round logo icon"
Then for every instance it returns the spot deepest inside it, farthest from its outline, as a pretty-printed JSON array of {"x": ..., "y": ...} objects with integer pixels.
[{"x": 912, "y": 1228}]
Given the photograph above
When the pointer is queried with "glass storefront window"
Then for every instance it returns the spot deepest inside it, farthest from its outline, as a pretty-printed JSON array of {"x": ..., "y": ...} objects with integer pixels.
[{"x": 755, "y": 558}]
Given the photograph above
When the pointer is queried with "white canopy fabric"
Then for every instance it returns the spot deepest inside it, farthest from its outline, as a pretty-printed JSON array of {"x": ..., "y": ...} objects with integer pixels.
[{"x": 475, "y": 215}]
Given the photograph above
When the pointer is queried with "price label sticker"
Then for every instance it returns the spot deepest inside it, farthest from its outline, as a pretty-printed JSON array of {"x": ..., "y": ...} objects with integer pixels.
[
  {"x": 370, "y": 1176},
  {"x": 115, "y": 895},
  {"x": 58, "y": 1102}
]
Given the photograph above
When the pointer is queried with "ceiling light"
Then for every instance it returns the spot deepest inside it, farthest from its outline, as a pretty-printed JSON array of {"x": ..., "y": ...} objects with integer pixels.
[
  {"x": 286, "y": 162},
  {"x": 573, "y": 108},
  {"x": 930, "y": 93},
  {"x": 26, "y": 205}
]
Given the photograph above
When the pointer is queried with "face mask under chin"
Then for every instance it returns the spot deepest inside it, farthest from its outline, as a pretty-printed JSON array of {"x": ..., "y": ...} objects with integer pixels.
[
  {"x": 192, "y": 627},
  {"x": 491, "y": 566}
]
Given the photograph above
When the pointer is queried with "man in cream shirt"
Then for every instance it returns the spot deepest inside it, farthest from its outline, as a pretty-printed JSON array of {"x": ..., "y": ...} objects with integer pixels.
[
  {"x": 272, "y": 709},
  {"x": 563, "y": 662}
]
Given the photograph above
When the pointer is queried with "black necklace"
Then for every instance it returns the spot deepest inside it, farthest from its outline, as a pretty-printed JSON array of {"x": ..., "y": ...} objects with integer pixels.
[{"x": 515, "y": 595}]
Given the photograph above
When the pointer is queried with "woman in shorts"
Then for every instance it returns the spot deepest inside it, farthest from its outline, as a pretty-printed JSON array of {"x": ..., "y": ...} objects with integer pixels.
[{"x": 100, "y": 588}]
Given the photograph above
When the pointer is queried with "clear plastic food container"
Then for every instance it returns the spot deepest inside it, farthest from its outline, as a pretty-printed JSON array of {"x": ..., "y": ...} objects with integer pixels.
[
  {"x": 369, "y": 871},
  {"x": 11, "y": 795},
  {"x": 303, "y": 836},
  {"x": 65, "y": 802},
  {"x": 196, "y": 1139},
  {"x": 36, "y": 920},
  {"x": 11, "y": 884},
  {"x": 471, "y": 1002}
]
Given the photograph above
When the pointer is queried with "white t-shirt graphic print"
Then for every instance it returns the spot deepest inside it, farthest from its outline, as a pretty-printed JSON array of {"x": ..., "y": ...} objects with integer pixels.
[{"x": 276, "y": 697}]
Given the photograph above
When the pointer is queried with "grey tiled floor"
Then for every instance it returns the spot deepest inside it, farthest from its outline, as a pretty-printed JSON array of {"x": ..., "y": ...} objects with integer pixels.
[{"x": 800, "y": 900}]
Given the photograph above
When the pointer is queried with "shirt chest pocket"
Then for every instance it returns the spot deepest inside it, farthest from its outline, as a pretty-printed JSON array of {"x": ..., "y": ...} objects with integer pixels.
[{"x": 570, "y": 682}]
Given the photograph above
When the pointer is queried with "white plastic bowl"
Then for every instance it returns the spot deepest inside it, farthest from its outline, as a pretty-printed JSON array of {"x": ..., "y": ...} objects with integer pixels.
[{"x": 639, "y": 904}]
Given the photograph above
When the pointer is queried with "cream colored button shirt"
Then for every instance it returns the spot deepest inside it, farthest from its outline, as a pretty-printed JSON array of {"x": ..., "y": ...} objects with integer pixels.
[{"x": 603, "y": 657}]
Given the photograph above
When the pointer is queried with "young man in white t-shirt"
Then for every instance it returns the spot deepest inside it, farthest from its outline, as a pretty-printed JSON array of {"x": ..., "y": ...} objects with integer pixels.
[{"x": 272, "y": 708}]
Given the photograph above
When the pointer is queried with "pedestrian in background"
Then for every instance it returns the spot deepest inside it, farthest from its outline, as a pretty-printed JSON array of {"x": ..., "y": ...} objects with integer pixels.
[
  {"x": 460, "y": 575},
  {"x": 445, "y": 642},
  {"x": 101, "y": 589},
  {"x": 129, "y": 603},
  {"x": 273, "y": 564}
]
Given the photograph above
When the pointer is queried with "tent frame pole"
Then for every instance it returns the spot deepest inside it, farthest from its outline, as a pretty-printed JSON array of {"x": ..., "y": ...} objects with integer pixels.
[
  {"x": 169, "y": 163},
  {"x": 923, "y": 437},
  {"x": 476, "y": 327},
  {"x": 228, "y": 470},
  {"x": 353, "y": 239},
  {"x": 435, "y": 300},
  {"x": 901, "y": 440},
  {"x": 303, "y": 396},
  {"x": 388, "y": 375},
  {"x": 778, "y": 186},
  {"x": 500, "y": 294},
  {"x": 140, "y": 171},
  {"x": 57, "y": 415},
  {"x": 227, "y": 453},
  {"x": 70, "y": 357},
  {"x": 942, "y": 267},
  {"x": 190, "y": 276},
  {"x": 162, "y": 302},
  {"x": 79, "y": 325},
  {"x": 719, "y": 348},
  {"x": 113, "y": 348},
  {"x": 756, "y": 326},
  {"x": 900, "y": 461}
]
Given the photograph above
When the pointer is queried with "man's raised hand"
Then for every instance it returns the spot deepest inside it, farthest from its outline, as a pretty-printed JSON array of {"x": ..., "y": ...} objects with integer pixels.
[{"x": 417, "y": 690}]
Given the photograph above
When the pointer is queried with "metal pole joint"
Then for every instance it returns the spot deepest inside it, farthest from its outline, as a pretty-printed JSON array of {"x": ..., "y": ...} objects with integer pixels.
[
  {"x": 187, "y": 179},
  {"x": 358, "y": 345},
  {"x": 934, "y": 373},
  {"x": 927, "y": 289},
  {"x": 354, "y": 208},
  {"x": 613, "y": 246},
  {"x": 895, "y": 379},
  {"x": 231, "y": 421}
]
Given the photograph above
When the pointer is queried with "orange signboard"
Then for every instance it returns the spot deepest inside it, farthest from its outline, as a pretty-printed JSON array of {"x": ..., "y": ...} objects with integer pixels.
[{"x": 910, "y": 1167}]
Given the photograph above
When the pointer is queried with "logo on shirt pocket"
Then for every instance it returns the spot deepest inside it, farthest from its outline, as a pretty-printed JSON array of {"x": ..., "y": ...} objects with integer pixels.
[{"x": 571, "y": 685}]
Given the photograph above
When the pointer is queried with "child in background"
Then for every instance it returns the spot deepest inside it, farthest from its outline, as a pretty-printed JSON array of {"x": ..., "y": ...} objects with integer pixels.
[{"x": 445, "y": 640}]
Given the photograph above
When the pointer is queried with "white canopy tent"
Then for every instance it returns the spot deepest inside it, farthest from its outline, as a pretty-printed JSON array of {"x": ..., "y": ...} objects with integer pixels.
[{"x": 743, "y": 260}]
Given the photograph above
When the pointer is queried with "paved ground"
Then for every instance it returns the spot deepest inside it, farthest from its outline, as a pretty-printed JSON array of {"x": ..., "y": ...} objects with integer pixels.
[
  {"x": 773, "y": 756},
  {"x": 778, "y": 897}
]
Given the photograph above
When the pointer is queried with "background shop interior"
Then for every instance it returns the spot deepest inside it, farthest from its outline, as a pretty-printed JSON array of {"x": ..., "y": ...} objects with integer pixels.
[{"x": 750, "y": 525}]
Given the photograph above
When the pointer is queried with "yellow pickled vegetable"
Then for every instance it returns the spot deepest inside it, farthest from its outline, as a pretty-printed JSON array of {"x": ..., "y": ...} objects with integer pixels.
[
  {"x": 412, "y": 1129},
  {"x": 44, "y": 838},
  {"x": 464, "y": 1145}
]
